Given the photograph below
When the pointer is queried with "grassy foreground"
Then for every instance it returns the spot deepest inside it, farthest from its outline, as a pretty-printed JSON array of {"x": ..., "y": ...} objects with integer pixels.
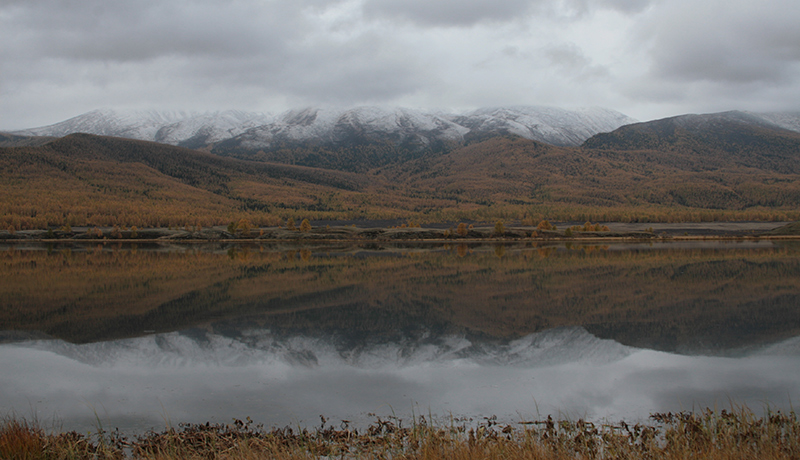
[{"x": 738, "y": 434}]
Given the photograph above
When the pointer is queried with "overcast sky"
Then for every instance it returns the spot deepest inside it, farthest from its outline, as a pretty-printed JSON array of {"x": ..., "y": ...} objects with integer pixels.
[{"x": 646, "y": 58}]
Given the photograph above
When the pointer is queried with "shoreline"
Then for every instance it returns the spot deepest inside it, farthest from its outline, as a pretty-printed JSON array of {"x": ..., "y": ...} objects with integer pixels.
[
  {"x": 704, "y": 433},
  {"x": 441, "y": 233},
  {"x": 510, "y": 240}
]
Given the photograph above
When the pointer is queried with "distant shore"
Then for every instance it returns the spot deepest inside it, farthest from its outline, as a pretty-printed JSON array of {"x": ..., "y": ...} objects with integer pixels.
[{"x": 440, "y": 233}]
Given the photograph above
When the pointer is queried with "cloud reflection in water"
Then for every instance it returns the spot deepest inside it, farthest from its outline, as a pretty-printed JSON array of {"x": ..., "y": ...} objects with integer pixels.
[{"x": 142, "y": 383}]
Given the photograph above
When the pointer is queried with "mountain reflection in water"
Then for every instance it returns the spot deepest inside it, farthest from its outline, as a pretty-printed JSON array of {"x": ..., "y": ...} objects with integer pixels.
[
  {"x": 141, "y": 383},
  {"x": 284, "y": 334}
]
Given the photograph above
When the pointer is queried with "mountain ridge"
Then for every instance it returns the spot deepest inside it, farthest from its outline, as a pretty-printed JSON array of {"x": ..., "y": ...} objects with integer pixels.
[
  {"x": 329, "y": 126},
  {"x": 731, "y": 165},
  {"x": 749, "y": 139}
]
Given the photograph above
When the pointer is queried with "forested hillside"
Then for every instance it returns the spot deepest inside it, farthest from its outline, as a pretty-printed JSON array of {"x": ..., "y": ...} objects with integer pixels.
[{"x": 693, "y": 168}]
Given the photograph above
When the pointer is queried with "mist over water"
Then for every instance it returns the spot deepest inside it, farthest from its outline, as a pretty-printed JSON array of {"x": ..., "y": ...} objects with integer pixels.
[{"x": 283, "y": 337}]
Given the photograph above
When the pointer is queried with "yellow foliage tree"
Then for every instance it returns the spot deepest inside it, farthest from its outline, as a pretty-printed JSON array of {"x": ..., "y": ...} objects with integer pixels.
[
  {"x": 499, "y": 227},
  {"x": 244, "y": 226}
]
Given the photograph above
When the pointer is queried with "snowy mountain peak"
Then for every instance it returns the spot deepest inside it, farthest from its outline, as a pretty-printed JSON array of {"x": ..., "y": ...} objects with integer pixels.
[
  {"x": 550, "y": 125},
  {"x": 208, "y": 128},
  {"x": 339, "y": 126},
  {"x": 170, "y": 127},
  {"x": 110, "y": 122}
]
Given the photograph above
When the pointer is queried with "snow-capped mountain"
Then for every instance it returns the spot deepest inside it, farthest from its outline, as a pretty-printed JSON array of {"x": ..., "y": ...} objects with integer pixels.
[
  {"x": 176, "y": 128},
  {"x": 209, "y": 128},
  {"x": 408, "y": 128},
  {"x": 545, "y": 124},
  {"x": 358, "y": 125},
  {"x": 140, "y": 124},
  {"x": 330, "y": 127}
]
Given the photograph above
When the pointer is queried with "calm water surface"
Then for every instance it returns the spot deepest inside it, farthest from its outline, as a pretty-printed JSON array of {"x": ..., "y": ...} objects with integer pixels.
[{"x": 142, "y": 337}]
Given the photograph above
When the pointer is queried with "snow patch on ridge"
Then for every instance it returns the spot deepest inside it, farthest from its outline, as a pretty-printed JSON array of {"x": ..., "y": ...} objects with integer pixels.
[
  {"x": 786, "y": 120},
  {"x": 545, "y": 124},
  {"x": 331, "y": 125}
]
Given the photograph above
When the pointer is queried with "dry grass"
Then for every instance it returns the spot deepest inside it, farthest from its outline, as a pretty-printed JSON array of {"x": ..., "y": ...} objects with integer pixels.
[{"x": 737, "y": 434}]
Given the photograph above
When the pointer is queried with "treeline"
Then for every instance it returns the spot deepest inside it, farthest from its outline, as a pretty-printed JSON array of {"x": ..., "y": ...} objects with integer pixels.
[
  {"x": 52, "y": 214},
  {"x": 84, "y": 180}
]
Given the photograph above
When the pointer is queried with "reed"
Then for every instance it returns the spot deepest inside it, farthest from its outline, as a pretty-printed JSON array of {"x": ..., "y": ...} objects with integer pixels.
[{"x": 707, "y": 434}]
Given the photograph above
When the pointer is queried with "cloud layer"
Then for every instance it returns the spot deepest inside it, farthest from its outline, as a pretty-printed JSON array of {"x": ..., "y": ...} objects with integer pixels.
[{"x": 646, "y": 58}]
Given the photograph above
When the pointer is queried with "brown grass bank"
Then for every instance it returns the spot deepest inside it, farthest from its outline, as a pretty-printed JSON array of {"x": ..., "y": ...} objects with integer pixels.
[{"x": 736, "y": 434}]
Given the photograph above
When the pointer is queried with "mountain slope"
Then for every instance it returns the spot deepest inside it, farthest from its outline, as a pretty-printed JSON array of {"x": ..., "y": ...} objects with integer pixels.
[
  {"x": 544, "y": 124},
  {"x": 205, "y": 129},
  {"x": 14, "y": 140},
  {"x": 715, "y": 140},
  {"x": 355, "y": 139},
  {"x": 368, "y": 137},
  {"x": 731, "y": 166},
  {"x": 612, "y": 184},
  {"x": 83, "y": 179},
  {"x": 327, "y": 126},
  {"x": 141, "y": 125},
  {"x": 786, "y": 120},
  {"x": 175, "y": 128}
]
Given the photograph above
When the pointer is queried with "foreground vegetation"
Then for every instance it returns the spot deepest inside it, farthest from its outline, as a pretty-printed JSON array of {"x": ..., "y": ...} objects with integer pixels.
[{"x": 736, "y": 434}]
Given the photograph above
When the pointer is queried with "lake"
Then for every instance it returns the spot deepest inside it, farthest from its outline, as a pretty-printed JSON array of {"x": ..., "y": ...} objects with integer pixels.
[{"x": 149, "y": 335}]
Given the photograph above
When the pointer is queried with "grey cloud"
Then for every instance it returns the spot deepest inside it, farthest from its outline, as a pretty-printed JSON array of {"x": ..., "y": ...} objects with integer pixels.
[
  {"x": 756, "y": 42},
  {"x": 466, "y": 13},
  {"x": 449, "y": 12},
  {"x": 186, "y": 52},
  {"x": 628, "y": 6},
  {"x": 354, "y": 73},
  {"x": 623, "y": 6},
  {"x": 130, "y": 31},
  {"x": 365, "y": 70},
  {"x": 572, "y": 60},
  {"x": 67, "y": 56},
  {"x": 572, "y": 10}
]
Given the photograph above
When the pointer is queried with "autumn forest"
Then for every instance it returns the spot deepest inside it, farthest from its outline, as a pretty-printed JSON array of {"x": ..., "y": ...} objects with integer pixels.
[{"x": 84, "y": 181}]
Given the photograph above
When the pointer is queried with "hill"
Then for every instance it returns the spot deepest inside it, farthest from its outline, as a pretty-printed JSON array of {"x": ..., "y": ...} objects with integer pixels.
[
  {"x": 605, "y": 184},
  {"x": 351, "y": 139},
  {"x": 710, "y": 141},
  {"x": 83, "y": 180},
  {"x": 730, "y": 166},
  {"x": 14, "y": 140}
]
